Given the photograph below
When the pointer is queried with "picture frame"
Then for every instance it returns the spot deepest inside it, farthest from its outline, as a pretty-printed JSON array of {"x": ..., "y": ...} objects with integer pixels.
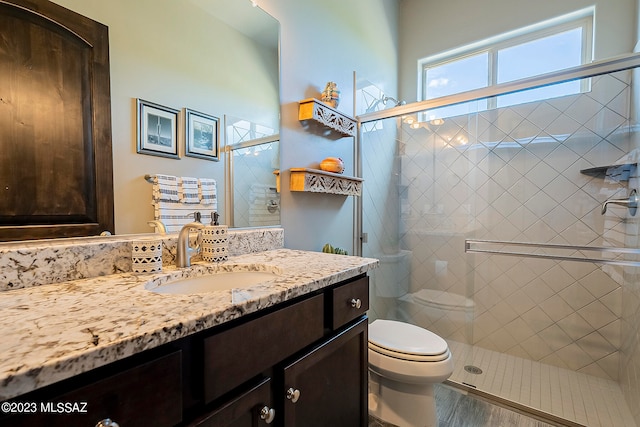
[
  {"x": 157, "y": 129},
  {"x": 202, "y": 135}
]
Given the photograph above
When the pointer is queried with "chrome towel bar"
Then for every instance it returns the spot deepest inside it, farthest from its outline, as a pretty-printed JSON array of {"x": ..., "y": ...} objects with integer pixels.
[{"x": 475, "y": 246}]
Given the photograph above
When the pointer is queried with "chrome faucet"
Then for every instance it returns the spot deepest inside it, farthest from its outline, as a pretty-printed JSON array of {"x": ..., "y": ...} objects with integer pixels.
[
  {"x": 631, "y": 203},
  {"x": 184, "y": 250}
]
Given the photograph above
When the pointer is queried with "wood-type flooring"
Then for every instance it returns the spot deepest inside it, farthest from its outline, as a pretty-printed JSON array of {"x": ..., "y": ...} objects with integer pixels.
[{"x": 457, "y": 409}]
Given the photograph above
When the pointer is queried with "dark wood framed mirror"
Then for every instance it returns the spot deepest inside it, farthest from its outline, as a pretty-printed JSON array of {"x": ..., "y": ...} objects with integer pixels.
[{"x": 56, "y": 172}]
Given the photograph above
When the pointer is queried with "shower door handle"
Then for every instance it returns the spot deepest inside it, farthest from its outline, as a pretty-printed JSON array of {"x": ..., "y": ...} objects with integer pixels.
[{"x": 631, "y": 203}]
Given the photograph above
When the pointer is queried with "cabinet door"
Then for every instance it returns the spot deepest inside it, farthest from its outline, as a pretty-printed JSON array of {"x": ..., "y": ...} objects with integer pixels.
[
  {"x": 328, "y": 385},
  {"x": 145, "y": 395},
  {"x": 249, "y": 409},
  {"x": 55, "y": 123}
]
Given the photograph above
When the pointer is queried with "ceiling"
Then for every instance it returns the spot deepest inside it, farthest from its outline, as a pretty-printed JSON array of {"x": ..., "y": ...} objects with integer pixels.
[{"x": 252, "y": 21}]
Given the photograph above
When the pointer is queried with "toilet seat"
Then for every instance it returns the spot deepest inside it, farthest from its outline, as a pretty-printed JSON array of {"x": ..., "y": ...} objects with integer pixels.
[
  {"x": 405, "y": 361},
  {"x": 409, "y": 357},
  {"x": 406, "y": 342}
]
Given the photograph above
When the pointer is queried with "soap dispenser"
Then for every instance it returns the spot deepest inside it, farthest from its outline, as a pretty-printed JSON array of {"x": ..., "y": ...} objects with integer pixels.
[{"x": 215, "y": 241}]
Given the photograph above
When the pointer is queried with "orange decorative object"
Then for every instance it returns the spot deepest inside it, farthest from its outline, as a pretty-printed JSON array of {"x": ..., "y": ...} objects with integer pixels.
[{"x": 332, "y": 164}]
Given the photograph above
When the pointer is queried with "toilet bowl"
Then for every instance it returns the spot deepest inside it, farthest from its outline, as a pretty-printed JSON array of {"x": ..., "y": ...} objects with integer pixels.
[{"x": 405, "y": 361}]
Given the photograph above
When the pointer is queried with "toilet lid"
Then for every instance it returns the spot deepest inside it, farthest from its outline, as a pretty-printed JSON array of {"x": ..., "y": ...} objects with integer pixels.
[{"x": 405, "y": 339}]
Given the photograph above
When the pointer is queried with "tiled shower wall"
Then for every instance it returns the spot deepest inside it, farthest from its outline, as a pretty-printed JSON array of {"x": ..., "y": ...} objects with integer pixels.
[
  {"x": 513, "y": 174},
  {"x": 256, "y": 202}
]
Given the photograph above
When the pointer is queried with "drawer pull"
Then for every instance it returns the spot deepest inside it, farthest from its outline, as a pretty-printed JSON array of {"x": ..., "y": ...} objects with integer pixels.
[
  {"x": 267, "y": 414},
  {"x": 356, "y": 303},
  {"x": 293, "y": 394},
  {"x": 107, "y": 423}
]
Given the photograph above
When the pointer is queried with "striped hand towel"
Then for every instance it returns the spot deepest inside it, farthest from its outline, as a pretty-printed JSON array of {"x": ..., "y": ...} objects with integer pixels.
[
  {"x": 207, "y": 191},
  {"x": 188, "y": 190},
  {"x": 174, "y": 215},
  {"x": 165, "y": 188}
]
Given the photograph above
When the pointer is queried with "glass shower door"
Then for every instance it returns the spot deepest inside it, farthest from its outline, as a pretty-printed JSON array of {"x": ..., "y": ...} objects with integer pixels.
[{"x": 528, "y": 327}]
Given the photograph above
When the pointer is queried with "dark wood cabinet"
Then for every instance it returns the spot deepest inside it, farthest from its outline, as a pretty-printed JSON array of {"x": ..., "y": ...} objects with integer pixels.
[
  {"x": 247, "y": 409},
  {"x": 319, "y": 375},
  {"x": 55, "y": 123},
  {"x": 348, "y": 301},
  {"x": 148, "y": 393},
  {"x": 238, "y": 354},
  {"x": 328, "y": 385},
  {"x": 301, "y": 363}
]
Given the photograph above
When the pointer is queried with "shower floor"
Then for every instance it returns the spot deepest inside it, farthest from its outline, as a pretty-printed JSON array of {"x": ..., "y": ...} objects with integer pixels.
[{"x": 580, "y": 399}]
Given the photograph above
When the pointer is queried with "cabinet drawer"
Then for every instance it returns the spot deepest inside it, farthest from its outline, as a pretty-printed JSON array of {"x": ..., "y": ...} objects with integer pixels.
[
  {"x": 148, "y": 394},
  {"x": 242, "y": 410},
  {"x": 242, "y": 352},
  {"x": 349, "y": 301}
]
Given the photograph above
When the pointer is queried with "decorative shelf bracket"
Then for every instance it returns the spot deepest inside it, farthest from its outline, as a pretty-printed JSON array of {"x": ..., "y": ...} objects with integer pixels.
[
  {"x": 313, "y": 109},
  {"x": 317, "y": 181}
]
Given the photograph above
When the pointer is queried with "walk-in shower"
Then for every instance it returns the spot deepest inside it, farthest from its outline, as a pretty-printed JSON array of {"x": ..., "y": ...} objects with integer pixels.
[{"x": 491, "y": 231}]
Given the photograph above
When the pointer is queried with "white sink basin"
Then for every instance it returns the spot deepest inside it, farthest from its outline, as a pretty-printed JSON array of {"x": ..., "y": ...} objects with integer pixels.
[{"x": 220, "y": 281}]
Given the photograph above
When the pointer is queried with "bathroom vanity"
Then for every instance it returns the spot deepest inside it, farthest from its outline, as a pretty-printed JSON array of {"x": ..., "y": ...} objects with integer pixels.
[{"x": 288, "y": 353}]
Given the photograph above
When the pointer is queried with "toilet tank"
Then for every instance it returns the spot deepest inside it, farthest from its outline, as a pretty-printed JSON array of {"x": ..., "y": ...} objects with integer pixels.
[{"x": 391, "y": 279}]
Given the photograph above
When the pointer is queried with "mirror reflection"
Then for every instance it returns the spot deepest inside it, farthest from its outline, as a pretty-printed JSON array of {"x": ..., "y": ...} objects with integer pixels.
[
  {"x": 253, "y": 155},
  {"x": 218, "y": 57}
]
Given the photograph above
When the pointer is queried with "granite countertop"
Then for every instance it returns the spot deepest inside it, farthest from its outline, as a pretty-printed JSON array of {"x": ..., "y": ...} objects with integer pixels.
[{"x": 53, "y": 332}]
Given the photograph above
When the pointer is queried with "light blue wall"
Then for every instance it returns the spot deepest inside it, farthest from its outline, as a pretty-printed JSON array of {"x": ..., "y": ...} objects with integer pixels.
[{"x": 327, "y": 41}]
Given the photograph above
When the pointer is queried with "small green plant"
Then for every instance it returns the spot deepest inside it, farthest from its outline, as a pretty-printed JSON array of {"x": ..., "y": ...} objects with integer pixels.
[{"x": 331, "y": 250}]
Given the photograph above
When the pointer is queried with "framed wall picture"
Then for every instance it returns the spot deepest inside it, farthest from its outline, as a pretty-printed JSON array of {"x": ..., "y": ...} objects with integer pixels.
[
  {"x": 202, "y": 135},
  {"x": 157, "y": 129}
]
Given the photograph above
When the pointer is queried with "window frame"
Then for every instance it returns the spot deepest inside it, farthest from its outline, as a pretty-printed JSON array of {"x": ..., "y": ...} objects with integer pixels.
[{"x": 583, "y": 19}]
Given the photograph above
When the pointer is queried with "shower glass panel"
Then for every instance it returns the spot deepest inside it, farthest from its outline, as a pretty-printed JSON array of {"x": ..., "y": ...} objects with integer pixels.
[{"x": 552, "y": 336}]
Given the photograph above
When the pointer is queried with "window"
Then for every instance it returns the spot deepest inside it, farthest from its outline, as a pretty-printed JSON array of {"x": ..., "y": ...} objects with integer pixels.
[{"x": 553, "y": 45}]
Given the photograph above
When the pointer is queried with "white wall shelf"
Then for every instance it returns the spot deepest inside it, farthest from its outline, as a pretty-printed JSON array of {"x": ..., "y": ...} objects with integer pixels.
[
  {"x": 318, "y": 181},
  {"x": 330, "y": 118}
]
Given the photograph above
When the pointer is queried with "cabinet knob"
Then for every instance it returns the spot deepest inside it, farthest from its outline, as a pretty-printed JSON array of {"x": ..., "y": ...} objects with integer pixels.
[
  {"x": 267, "y": 414},
  {"x": 356, "y": 303},
  {"x": 293, "y": 394},
  {"x": 107, "y": 422}
]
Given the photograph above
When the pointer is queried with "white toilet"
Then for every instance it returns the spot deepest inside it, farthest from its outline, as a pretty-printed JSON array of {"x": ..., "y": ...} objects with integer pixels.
[
  {"x": 405, "y": 361},
  {"x": 438, "y": 310}
]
